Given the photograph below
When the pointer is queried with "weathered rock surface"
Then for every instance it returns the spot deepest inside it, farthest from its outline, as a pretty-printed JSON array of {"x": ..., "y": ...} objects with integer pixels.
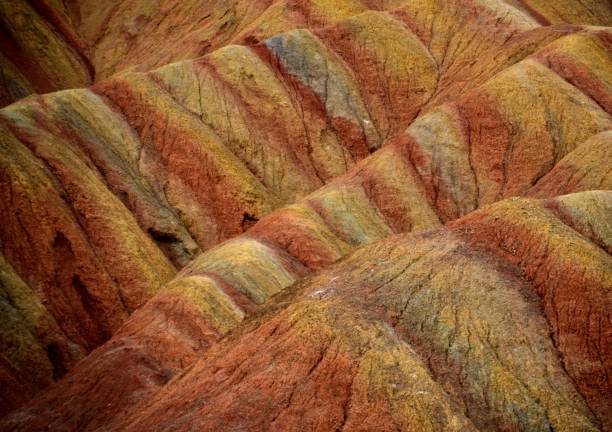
[
  {"x": 472, "y": 314},
  {"x": 51, "y": 45},
  {"x": 291, "y": 134},
  {"x": 460, "y": 319}
]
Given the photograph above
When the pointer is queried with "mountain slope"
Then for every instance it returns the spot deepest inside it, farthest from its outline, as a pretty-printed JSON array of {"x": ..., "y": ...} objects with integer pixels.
[
  {"x": 170, "y": 215},
  {"x": 425, "y": 189},
  {"x": 481, "y": 351},
  {"x": 52, "y": 45}
]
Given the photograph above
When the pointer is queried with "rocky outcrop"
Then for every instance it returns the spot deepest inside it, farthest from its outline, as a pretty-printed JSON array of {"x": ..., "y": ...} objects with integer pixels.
[
  {"x": 51, "y": 45},
  {"x": 409, "y": 185},
  {"x": 482, "y": 326},
  {"x": 262, "y": 158},
  {"x": 464, "y": 323}
]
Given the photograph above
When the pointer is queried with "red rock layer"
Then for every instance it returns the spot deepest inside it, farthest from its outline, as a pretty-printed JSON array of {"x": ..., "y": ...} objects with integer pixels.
[
  {"x": 407, "y": 185},
  {"x": 119, "y": 185},
  {"x": 68, "y": 45},
  {"x": 473, "y": 317},
  {"x": 444, "y": 318}
]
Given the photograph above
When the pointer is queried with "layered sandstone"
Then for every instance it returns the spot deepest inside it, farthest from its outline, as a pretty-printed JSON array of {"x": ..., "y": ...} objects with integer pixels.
[{"x": 188, "y": 208}]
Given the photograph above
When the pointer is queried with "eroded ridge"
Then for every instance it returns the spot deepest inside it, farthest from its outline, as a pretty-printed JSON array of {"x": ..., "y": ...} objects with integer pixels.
[
  {"x": 148, "y": 216},
  {"x": 409, "y": 185}
]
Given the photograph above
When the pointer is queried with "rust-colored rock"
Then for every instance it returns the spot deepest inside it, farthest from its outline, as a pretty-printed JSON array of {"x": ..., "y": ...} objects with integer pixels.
[{"x": 305, "y": 215}]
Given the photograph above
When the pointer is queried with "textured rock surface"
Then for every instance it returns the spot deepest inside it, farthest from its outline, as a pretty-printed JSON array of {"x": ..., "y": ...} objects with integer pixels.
[
  {"x": 249, "y": 146},
  {"x": 51, "y": 45},
  {"x": 469, "y": 317},
  {"x": 447, "y": 317}
]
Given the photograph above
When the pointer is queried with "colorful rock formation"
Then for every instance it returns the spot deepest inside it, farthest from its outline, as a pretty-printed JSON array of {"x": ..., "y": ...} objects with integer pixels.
[{"x": 306, "y": 215}]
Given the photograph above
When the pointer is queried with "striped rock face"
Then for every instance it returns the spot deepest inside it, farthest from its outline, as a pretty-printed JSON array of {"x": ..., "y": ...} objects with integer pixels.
[
  {"x": 305, "y": 215},
  {"x": 438, "y": 331}
]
